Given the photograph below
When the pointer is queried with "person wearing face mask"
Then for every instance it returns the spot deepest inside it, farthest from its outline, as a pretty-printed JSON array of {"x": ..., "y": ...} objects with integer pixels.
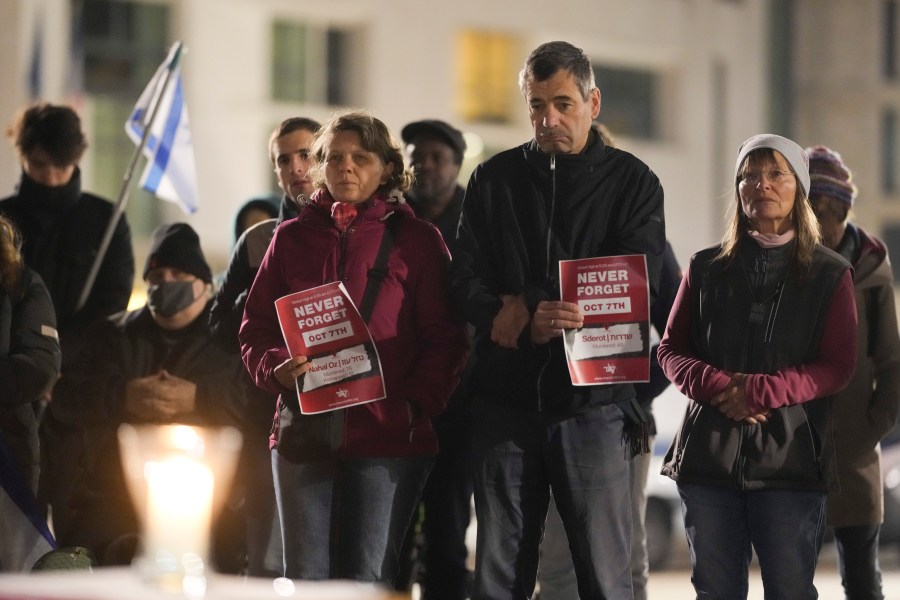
[
  {"x": 156, "y": 364},
  {"x": 62, "y": 227}
]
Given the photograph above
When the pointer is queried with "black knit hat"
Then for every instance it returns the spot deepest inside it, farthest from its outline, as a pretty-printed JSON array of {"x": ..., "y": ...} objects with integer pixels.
[{"x": 177, "y": 245}]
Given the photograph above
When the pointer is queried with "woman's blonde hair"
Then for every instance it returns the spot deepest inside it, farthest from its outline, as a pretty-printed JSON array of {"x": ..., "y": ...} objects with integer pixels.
[
  {"x": 806, "y": 226},
  {"x": 374, "y": 137},
  {"x": 11, "y": 263}
]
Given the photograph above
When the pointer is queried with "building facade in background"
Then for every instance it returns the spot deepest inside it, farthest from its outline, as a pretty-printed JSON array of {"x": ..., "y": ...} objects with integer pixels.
[
  {"x": 845, "y": 82},
  {"x": 682, "y": 83}
]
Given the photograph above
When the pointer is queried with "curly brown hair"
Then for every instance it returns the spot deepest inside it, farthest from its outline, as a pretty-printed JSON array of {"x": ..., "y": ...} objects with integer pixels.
[
  {"x": 11, "y": 263},
  {"x": 374, "y": 136}
]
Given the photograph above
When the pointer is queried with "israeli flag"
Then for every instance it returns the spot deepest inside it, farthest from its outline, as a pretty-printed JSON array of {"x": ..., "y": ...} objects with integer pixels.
[
  {"x": 170, "y": 173},
  {"x": 23, "y": 531}
]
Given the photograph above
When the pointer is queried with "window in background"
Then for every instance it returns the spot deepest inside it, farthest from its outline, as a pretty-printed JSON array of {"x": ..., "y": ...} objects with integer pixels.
[
  {"x": 124, "y": 42},
  {"x": 312, "y": 64},
  {"x": 889, "y": 43},
  {"x": 632, "y": 106},
  {"x": 485, "y": 87},
  {"x": 889, "y": 151}
]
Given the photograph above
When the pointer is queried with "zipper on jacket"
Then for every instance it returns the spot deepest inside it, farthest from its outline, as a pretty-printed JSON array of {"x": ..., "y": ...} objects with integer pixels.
[
  {"x": 343, "y": 238},
  {"x": 552, "y": 211},
  {"x": 540, "y": 400}
]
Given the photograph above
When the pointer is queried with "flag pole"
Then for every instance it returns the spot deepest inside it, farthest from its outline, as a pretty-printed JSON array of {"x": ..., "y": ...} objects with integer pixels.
[{"x": 122, "y": 198}]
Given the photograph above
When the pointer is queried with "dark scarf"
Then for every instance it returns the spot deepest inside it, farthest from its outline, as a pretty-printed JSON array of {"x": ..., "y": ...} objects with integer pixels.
[
  {"x": 41, "y": 214},
  {"x": 50, "y": 201}
]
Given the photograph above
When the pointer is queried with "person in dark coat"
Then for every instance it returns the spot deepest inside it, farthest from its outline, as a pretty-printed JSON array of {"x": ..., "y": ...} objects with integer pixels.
[
  {"x": 62, "y": 228},
  {"x": 563, "y": 195},
  {"x": 29, "y": 353},
  {"x": 289, "y": 147},
  {"x": 289, "y": 151},
  {"x": 155, "y": 364},
  {"x": 867, "y": 408},
  {"x": 29, "y": 366},
  {"x": 253, "y": 211}
]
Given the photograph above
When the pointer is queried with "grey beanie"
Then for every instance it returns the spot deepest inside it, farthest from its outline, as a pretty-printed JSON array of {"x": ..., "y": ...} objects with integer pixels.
[{"x": 791, "y": 151}]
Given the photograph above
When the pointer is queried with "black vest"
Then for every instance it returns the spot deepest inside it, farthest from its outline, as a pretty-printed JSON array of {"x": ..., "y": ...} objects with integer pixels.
[{"x": 747, "y": 322}]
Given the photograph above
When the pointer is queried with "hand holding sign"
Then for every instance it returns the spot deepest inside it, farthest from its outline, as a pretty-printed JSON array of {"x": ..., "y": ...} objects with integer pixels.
[
  {"x": 551, "y": 318},
  {"x": 287, "y": 372}
]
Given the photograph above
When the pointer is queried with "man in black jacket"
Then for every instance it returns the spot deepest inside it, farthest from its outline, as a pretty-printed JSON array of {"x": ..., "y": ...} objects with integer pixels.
[
  {"x": 563, "y": 195},
  {"x": 62, "y": 227}
]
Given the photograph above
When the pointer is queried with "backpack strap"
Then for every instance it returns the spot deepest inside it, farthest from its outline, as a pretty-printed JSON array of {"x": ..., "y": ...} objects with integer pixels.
[{"x": 379, "y": 270}]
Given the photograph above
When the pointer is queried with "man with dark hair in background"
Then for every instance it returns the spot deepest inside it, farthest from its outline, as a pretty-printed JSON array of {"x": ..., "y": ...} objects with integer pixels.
[
  {"x": 435, "y": 150},
  {"x": 289, "y": 145},
  {"x": 62, "y": 228}
]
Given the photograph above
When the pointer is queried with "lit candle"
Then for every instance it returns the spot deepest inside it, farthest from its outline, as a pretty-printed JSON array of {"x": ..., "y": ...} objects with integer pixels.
[
  {"x": 179, "y": 504},
  {"x": 178, "y": 476},
  {"x": 179, "y": 512}
]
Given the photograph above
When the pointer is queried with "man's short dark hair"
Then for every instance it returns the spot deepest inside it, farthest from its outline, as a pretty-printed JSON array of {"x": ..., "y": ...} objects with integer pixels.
[
  {"x": 290, "y": 125},
  {"x": 545, "y": 60},
  {"x": 53, "y": 128}
]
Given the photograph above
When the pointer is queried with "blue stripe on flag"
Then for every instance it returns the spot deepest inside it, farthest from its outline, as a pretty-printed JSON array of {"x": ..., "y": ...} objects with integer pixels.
[
  {"x": 170, "y": 128},
  {"x": 136, "y": 122},
  {"x": 170, "y": 172}
]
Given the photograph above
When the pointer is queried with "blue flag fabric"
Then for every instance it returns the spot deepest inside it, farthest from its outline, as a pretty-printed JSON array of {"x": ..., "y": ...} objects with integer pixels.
[
  {"x": 170, "y": 173},
  {"x": 24, "y": 535}
]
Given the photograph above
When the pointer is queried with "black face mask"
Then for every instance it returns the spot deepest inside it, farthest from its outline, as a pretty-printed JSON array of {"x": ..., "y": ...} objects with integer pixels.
[{"x": 170, "y": 297}]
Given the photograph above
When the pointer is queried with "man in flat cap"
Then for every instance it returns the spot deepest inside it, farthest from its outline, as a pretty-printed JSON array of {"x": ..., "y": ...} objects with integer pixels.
[{"x": 435, "y": 151}]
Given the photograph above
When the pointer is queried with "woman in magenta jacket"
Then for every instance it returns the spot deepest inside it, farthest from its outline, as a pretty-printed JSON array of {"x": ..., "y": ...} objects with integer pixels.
[{"x": 347, "y": 481}]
